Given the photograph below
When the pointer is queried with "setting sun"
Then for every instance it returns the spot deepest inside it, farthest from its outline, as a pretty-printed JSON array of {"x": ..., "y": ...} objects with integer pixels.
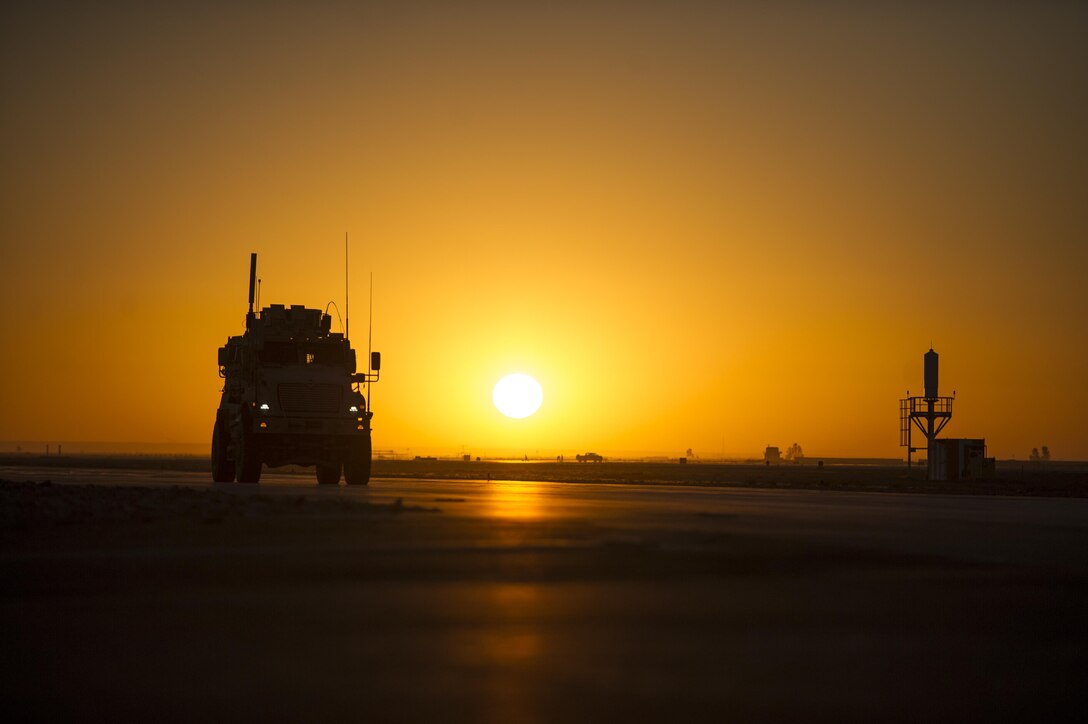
[{"x": 517, "y": 395}]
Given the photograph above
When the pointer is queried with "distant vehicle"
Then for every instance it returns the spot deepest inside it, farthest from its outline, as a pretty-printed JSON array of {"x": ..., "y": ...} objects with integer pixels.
[
  {"x": 291, "y": 396},
  {"x": 590, "y": 457}
]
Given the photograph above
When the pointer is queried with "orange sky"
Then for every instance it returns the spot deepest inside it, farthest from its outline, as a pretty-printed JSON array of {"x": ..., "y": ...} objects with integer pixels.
[{"x": 698, "y": 226}]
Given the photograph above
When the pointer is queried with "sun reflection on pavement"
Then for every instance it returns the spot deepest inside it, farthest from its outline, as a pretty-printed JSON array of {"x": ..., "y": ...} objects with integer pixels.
[
  {"x": 509, "y": 656},
  {"x": 516, "y": 501}
]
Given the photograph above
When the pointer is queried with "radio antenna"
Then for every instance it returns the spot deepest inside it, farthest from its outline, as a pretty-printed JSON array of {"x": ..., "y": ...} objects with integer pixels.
[
  {"x": 252, "y": 278},
  {"x": 347, "y": 315},
  {"x": 370, "y": 335}
]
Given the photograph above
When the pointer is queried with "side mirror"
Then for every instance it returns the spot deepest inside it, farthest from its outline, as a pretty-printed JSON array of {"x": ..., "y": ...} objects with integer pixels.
[{"x": 375, "y": 361}]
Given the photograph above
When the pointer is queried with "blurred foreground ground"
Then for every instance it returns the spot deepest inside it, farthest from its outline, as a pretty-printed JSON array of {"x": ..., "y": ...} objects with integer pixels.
[{"x": 130, "y": 594}]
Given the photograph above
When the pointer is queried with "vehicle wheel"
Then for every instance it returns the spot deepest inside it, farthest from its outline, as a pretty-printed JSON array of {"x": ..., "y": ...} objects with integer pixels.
[
  {"x": 222, "y": 465},
  {"x": 357, "y": 464},
  {"x": 328, "y": 474},
  {"x": 248, "y": 459}
]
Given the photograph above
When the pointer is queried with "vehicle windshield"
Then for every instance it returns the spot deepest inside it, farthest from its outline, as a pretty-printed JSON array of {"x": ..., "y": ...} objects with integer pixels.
[
  {"x": 332, "y": 354},
  {"x": 279, "y": 353},
  {"x": 325, "y": 354}
]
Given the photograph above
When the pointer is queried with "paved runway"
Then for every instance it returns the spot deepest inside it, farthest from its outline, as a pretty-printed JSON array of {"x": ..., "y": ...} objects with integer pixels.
[{"x": 527, "y": 601}]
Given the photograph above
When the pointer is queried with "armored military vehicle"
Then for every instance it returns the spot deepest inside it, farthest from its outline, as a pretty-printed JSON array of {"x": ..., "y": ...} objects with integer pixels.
[{"x": 291, "y": 396}]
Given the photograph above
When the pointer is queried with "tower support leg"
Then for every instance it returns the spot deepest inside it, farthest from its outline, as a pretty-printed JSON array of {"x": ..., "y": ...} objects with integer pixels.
[{"x": 931, "y": 459}]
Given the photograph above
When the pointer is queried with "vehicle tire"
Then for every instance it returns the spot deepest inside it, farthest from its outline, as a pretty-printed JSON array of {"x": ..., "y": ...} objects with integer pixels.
[
  {"x": 222, "y": 465},
  {"x": 357, "y": 463},
  {"x": 328, "y": 474},
  {"x": 248, "y": 458}
]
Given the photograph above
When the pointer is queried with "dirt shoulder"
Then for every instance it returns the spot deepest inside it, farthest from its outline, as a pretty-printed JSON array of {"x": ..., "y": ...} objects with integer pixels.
[{"x": 1055, "y": 479}]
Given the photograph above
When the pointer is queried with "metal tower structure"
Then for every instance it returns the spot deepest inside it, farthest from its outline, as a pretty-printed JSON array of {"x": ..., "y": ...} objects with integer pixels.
[{"x": 929, "y": 414}]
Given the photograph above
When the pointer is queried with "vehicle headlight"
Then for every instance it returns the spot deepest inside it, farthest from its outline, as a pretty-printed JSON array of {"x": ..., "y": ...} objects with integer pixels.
[
  {"x": 353, "y": 409},
  {"x": 264, "y": 407}
]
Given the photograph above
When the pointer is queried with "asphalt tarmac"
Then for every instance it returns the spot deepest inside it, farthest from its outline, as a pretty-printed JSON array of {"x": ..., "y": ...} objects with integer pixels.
[{"x": 138, "y": 595}]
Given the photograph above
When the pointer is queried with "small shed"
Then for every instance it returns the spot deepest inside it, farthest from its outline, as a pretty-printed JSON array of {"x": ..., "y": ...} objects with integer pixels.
[{"x": 961, "y": 458}]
